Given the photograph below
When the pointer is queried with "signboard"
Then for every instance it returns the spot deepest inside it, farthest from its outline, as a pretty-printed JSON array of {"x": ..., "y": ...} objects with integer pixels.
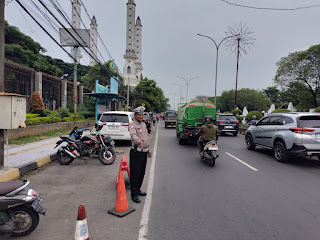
[
  {"x": 114, "y": 85},
  {"x": 113, "y": 67},
  {"x": 100, "y": 88},
  {"x": 77, "y": 36}
]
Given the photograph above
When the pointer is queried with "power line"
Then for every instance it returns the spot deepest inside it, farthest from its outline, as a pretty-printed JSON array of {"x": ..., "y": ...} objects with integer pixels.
[
  {"x": 26, "y": 10},
  {"x": 270, "y": 8},
  {"x": 94, "y": 57},
  {"x": 110, "y": 57},
  {"x": 89, "y": 34}
]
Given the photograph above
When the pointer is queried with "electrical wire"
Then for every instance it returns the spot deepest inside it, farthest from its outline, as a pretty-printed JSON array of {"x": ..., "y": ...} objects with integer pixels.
[
  {"x": 110, "y": 57},
  {"x": 39, "y": 24},
  {"x": 270, "y": 8}
]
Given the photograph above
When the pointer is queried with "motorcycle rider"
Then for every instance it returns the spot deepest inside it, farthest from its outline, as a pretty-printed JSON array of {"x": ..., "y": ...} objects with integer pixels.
[
  {"x": 208, "y": 131},
  {"x": 253, "y": 120}
]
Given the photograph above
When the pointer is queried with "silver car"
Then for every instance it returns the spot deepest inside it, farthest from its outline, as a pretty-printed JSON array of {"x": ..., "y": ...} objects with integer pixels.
[{"x": 287, "y": 134}]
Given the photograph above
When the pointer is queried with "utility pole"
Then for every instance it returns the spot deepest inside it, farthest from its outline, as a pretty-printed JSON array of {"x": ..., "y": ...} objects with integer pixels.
[
  {"x": 2, "y": 4},
  {"x": 75, "y": 88}
]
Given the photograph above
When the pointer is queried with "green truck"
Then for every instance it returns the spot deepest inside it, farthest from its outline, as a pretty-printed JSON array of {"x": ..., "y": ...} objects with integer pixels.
[{"x": 191, "y": 117}]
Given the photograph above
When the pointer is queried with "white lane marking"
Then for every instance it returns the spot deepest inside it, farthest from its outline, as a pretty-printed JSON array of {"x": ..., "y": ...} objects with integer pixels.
[
  {"x": 244, "y": 163},
  {"x": 143, "y": 232}
]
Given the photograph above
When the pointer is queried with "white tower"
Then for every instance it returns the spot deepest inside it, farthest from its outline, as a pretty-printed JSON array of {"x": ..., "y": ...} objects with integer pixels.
[
  {"x": 138, "y": 40},
  {"x": 93, "y": 40},
  {"x": 130, "y": 71},
  {"x": 76, "y": 13}
]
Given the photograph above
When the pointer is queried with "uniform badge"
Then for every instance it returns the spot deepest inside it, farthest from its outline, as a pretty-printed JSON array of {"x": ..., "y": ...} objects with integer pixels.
[{"x": 131, "y": 126}]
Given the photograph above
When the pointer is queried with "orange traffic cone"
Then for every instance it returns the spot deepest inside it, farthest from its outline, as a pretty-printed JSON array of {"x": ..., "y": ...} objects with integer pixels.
[
  {"x": 81, "y": 232},
  {"x": 121, "y": 208},
  {"x": 124, "y": 166}
]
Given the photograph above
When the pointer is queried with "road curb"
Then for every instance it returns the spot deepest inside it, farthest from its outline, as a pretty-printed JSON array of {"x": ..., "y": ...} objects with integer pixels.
[{"x": 15, "y": 173}]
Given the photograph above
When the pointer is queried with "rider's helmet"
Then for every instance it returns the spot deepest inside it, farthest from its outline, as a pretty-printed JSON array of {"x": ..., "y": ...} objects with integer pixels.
[
  {"x": 208, "y": 119},
  {"x": 98, "y": 126},
  {"x": 254, "y": 117}
]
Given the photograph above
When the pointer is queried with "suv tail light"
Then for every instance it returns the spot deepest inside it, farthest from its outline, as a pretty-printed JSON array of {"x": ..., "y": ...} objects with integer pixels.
[
  {"x": 301, "y": 130},
  {"x": 125, "y": 125},
  {"x": 220, "y": 121},
  {"x": 236, "y": 122}
]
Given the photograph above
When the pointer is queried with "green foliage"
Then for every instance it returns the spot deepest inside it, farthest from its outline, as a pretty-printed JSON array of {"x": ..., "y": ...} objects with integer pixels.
[
  {"x": 317, "y": 110},
  {"x": 253, "y": 113},
  {"x": 301, "y": 67},
  {"x": 71, "y": 118},
  {"x": 239, "y": 118},
  {"x": 151, "y": 95},
  {"x": 35, "y": 104},
  {"x": 236, "y": 112},
  {"x": 64, "y": 112},
  {"x": 23, "y": 50},
  {"x": 281, "y": 110},
  {"x": 250, "y": 98},
  {"x": 37, "y": 120},
  {"x": 32, "y": 115}
]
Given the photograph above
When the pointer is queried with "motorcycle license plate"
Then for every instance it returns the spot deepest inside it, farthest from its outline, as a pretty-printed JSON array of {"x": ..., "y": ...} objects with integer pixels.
[
  {"x": 37, "y": 204},
  {"x": 213, "y": 148}
]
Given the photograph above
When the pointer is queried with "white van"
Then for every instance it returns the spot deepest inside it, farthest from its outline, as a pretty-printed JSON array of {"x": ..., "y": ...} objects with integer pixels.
[{"x": 116, "y": 124}]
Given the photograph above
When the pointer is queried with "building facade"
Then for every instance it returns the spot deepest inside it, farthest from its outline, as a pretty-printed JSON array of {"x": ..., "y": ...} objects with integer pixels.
[{"x": 133, "y": 66}]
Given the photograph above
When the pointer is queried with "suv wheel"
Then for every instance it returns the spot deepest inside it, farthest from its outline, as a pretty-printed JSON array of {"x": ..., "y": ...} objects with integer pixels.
[
  {"x": 235, "y": 134},
  {"x": 249, "y": 142},
  {"x": 280, "y": 152}
]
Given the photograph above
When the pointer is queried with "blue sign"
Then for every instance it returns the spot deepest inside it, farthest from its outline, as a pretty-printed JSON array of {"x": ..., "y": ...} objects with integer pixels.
[{"x": 114, "y": 85}]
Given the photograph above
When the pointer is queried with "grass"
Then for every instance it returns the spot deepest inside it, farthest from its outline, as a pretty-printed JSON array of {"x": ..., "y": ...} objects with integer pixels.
[
  {"x": 243, "y": 125},
  {"x": 38, "y": 137}
]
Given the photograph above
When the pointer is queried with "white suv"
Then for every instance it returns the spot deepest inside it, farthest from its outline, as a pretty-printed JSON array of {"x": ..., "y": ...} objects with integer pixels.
[
  {"x": 295, "y": 134},
  {"x": 116, "y": 124}
]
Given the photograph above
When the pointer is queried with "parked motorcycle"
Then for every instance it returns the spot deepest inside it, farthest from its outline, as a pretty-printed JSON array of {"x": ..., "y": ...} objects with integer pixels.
[
  {"x": 20, "y": 207},
  {"x": 210, "y": 152},
  {"x": 87, "y": 146}
]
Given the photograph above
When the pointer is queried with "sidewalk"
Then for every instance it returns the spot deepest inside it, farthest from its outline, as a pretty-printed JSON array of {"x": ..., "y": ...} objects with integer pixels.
[{"x": 28, "y": 157}]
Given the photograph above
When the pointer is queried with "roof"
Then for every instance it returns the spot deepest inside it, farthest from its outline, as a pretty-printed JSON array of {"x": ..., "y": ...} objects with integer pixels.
[{"x": 118, "y": 112}]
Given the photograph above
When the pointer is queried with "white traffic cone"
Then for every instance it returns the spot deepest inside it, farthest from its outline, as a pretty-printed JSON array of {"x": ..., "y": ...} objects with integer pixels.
[{"x": 81, "y": 232}]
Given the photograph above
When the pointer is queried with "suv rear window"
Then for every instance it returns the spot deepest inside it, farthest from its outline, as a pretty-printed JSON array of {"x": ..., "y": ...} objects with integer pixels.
[
  {"x": 123, "y": 118},
  {"x": 227, "y": 117},
  {"x": 309, "y": 121}
]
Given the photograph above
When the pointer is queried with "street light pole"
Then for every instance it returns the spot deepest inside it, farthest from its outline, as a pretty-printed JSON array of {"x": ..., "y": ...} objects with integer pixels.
[
  {"x": 128, "y": 94},
  {"x": 187, "y": 83},
  {"x": 217, "y": 56},
  {"x": 180, "y": 86}
]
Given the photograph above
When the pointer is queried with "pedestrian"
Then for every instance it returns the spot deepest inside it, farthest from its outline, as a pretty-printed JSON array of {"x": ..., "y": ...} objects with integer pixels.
[{"x": 139, "y": 153}]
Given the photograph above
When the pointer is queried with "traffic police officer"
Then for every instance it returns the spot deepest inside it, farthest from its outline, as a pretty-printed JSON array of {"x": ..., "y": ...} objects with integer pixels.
[{"x": 139, "y": 153}]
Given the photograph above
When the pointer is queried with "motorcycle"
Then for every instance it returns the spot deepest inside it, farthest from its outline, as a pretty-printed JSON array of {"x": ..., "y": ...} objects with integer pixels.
[
  {"x": 77, "y": 134},
  {"x": 86, "y": 146},
  {"x": 210, "y": 152},
  {"x": 20, "y": 207}
]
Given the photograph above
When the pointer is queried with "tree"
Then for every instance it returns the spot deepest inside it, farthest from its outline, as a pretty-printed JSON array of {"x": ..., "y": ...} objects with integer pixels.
[
  {"x": 273, "y": 94},
  {"x": 35, "y": 104},
  {"x": 301, "y": 67},
  {"x": 151, "y": 95},
  {"x": 250, "y": 98}
]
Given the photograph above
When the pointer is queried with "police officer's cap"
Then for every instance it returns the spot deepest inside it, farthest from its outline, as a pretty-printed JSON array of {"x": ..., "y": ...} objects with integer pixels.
[{"x": 139, "y": 110}]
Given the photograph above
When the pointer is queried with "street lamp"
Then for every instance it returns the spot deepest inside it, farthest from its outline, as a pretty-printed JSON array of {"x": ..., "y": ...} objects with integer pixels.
[
  {"x": 180, "y": 86},
  {"x": 217, "y": 46},
  {"x": 187, "y": 83}
]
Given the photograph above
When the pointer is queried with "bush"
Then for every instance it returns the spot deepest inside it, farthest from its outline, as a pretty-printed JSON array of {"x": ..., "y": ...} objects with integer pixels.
[
  {"x": 87, "y": 114},
  {"x": 239, "y": 118},
  {"x": 37, "y": 120},
  {"x": 64, "y": 112},
  {"x": 317, "y": 110},
  {"x": 35, "y": 104},
  {"x": 32, "y": 115},
  {"x": 236, "y": 112},
  {"x": 47, "y": 112},
  {"x": 281, "y": 110},
  {"x": 252, "y": 113},
  {"x": 71, "y": 118}
]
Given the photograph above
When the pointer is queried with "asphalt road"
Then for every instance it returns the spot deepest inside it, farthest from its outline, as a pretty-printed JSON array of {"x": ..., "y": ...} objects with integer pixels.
[
  {"x": 190, "y": 200},
  {"x": 232, "y": 201}
]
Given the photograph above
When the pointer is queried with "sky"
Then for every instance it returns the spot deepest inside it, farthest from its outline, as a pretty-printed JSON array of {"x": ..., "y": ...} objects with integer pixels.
[{"x": 171, "y": 47}]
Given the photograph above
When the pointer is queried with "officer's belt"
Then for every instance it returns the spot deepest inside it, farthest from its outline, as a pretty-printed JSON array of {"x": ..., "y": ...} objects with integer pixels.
[{"x": 139, "y": 149}]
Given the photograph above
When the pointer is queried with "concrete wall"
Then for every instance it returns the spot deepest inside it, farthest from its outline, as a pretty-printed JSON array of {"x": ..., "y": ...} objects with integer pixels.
[{"x": 38, "y": 129}]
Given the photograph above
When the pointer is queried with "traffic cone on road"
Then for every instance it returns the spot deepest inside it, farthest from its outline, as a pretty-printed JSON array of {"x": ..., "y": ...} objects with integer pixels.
[
  {"x": 121, "y": 208},
  {"x": 81, "y": 232},
  {"x": 124, "y": 166}
]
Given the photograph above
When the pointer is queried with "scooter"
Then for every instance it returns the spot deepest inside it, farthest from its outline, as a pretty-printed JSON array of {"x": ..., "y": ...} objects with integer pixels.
[
  {"x": 210, "y": 152},
  {"x": 20, "y": 207}
]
